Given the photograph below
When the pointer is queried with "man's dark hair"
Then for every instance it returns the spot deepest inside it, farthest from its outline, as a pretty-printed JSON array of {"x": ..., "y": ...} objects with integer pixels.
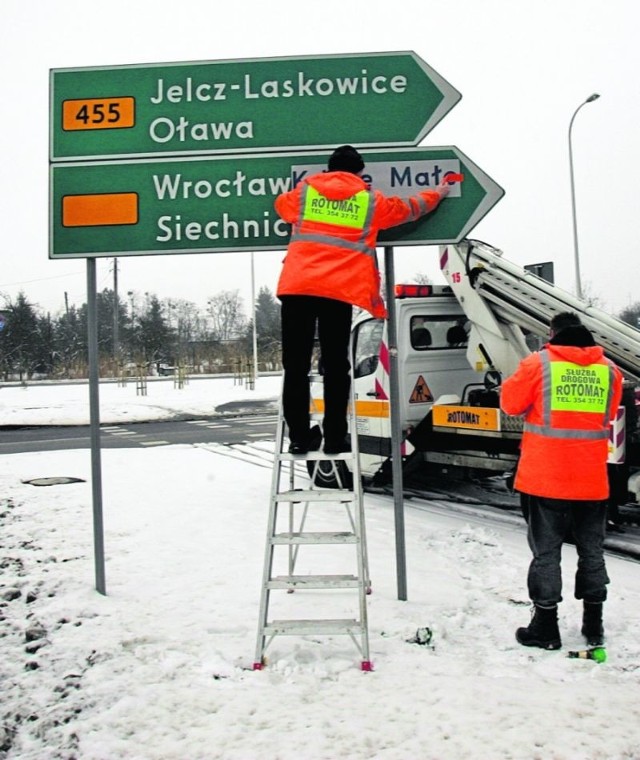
[
  {"x": 563, "y": 320},
  {"x": 345, "y": 159},
  {"x": 567, "y": 330}
]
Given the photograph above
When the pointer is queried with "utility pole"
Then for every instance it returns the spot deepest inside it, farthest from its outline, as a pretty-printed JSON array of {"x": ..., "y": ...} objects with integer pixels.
[
  {"x": 255, "y": 327},
  {"x": 116, "y": 341}
]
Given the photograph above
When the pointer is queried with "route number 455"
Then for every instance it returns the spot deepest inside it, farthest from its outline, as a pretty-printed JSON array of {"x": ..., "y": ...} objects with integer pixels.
[{"x": 98, "y": 113}]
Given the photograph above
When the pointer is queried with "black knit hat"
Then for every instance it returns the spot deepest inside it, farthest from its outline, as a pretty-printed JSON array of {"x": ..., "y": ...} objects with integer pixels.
[{"x": 346, "y": 159}]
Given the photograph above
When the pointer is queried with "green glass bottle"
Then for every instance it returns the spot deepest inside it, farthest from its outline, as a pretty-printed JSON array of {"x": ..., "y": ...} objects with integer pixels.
[{"x": 598, "y": 654}]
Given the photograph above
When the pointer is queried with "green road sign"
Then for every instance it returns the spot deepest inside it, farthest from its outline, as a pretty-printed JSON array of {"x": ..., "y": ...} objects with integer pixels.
[
  {"x": 222, "y": 203},
  {"x": 377, "y": 99}
]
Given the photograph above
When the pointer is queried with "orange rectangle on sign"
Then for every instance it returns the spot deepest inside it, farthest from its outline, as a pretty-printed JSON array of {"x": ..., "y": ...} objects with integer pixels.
[
  {"x": 98, "y": 113},
  {"x": 468, "y": 417},
  {"x": 99, "y": 209}
]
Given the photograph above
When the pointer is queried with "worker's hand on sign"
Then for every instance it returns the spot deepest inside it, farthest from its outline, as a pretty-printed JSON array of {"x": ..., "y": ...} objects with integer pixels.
[{"x": 447, "y": 181}]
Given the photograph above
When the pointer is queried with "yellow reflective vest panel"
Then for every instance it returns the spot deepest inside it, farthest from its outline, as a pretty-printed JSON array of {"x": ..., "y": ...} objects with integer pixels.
[
  {"x": 579, "y": 389},
  {"x": 346, "y": 212}
]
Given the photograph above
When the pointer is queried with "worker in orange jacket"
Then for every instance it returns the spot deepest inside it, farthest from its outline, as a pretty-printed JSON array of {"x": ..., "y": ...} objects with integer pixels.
[
  {"x": 568, "y": 392},
  {"x": 331, "y": 265}
]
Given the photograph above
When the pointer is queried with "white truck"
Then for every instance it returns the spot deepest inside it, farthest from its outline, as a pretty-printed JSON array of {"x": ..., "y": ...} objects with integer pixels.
[{"x": 454, "y": 344}]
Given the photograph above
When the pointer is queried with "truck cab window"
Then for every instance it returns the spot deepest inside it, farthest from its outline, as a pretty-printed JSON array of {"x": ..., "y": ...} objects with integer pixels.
[
  {"x": 367, "y": 347},
  {"x": 429, "y": 333}
]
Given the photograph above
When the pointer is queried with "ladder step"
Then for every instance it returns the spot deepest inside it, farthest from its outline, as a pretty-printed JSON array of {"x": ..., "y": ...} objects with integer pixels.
[
  {"x": 324, "y": 627},
  {"x": 314, "y": 456},
  {"x": 315, "y": 537},
  {"x": 315, "y": 494},
  {"x": 313, "y": 581}
]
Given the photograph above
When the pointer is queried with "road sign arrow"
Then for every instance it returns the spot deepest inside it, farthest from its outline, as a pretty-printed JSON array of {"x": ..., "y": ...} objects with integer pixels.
[
  {"x": 387, "y": 99},
  {"x": 225, "y": 203}
]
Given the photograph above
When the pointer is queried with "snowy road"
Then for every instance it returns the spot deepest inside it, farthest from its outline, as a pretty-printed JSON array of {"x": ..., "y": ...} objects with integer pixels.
[{"x": 156, "y": 670}]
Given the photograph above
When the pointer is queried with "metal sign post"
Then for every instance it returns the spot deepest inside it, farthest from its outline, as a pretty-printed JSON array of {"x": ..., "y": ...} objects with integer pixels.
[
  {"x": 94, "y": 417},
  {"x": 396, "y": 427}
]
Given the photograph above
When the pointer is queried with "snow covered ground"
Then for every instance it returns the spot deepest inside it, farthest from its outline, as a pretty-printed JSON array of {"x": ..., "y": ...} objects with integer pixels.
[
  {"x": 160, "y": 667},
  {"x": 58, "y": 404}
]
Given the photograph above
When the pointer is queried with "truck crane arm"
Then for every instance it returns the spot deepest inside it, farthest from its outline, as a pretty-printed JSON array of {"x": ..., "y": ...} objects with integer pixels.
[{"x": 504, "y": 303}]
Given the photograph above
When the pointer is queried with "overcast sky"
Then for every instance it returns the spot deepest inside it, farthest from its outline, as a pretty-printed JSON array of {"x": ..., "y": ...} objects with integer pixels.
[{"x": 522, "y": 68}]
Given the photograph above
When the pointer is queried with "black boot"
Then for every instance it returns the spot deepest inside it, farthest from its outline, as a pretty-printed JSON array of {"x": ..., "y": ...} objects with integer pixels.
[
  {"x": 592, "y": 628},
  {"x": 542, "y": 631},
  {"x": 310, "y": 442}
]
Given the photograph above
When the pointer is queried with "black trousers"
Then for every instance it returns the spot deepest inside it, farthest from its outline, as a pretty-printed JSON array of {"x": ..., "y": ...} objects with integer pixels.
[
  {"x": 549, "y": 522},
  {"x": 300, "y": 315}
]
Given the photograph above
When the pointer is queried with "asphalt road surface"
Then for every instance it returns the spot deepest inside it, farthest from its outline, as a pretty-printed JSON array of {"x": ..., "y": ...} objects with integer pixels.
[{"x": 224, "y": 429}]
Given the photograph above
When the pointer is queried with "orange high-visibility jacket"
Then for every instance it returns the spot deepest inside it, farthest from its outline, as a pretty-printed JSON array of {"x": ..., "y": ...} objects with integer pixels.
[
  {"x": 568, "y": 395},
  {"x": 332, "y": 250}
]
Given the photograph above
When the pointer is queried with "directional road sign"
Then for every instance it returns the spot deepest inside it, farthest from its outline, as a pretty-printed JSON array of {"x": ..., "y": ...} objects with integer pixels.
[
  {"x": 225, "y": 203},
  {"x": 378, "y": 99}
]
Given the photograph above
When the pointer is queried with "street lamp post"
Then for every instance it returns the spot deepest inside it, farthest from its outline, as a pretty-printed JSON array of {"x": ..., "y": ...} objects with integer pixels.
[{"x": 576, "y": 256}]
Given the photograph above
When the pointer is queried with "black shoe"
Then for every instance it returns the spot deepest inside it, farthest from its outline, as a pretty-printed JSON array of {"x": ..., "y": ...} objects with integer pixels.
[
  {"x": 542, "y": 631},
  {"x": 337, "y": 447},
  {"x": 592, "y": 628},
  {"x": 310, "y": 443}
]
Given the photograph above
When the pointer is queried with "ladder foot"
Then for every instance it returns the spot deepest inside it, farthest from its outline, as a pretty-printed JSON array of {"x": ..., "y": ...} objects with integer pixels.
[
  {"x": 258, "y": 665},
  {"x": 366, "y": 666}
]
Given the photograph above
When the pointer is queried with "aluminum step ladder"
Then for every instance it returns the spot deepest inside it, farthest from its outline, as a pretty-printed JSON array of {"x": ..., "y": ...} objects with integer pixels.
[{"x": 294, "y": 502}]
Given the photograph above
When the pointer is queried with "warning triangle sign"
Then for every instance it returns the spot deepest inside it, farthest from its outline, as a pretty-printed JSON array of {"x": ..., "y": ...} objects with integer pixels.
[{"x": 421, "y": 393}]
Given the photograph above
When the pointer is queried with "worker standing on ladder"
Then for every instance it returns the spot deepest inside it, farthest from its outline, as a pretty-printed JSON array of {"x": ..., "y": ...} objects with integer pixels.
[{"x": 331, "y": 266}]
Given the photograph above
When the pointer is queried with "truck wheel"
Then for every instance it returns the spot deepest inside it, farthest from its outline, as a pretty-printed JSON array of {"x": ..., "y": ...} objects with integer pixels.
[{"x": 330, "y": 474}]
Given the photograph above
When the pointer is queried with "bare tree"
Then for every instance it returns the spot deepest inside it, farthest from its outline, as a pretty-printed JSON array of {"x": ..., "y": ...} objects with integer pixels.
[
  {"x": 268, "y": 327},
  {"x": 70, "y": 341},
  {"x": 185, "y": 324},
  {"x": 226, "y": 311},
  {"x": 591, "y": 298},
  {"x": 631, "y": 315}
]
